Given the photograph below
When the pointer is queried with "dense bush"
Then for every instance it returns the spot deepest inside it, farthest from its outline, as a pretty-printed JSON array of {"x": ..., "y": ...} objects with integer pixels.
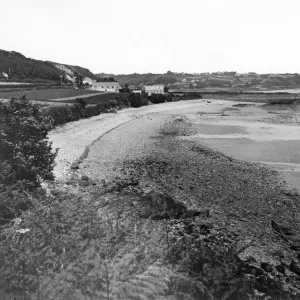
[
  {"x": 157, "y": 98},
  {"x": 135, "y": 100},
  {"x": 64, "y": 114},
  {"x": 24, "y": 145}
]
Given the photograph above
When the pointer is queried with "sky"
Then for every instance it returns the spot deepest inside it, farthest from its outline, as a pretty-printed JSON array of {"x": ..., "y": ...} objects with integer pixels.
[{"x": 138, "y": 36}]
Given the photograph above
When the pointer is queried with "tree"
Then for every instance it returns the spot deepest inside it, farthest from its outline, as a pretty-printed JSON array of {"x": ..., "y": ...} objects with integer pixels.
[
  {"x": 78, "y": 79},
  {"x": 24, "y": 145}
]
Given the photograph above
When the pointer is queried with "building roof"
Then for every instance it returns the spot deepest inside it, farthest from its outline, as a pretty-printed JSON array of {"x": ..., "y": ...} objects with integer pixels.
[
  {"x": 105, "y": 82},
  {"x": 158, "y": 84}
]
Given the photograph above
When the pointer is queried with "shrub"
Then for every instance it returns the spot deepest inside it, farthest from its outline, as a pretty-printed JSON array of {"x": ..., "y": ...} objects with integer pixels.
[
  {"x": 24, "y": 146},
  {"x": 135, "y": 100},
  {"x": 157, "y": 98},
  {"x": 81, "y": 103}
]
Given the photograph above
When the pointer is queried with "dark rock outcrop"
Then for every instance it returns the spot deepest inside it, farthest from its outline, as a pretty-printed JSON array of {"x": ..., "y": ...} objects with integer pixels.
[
  {"x": 281, "y": 227},
  {"x": 158, "y": 206}
]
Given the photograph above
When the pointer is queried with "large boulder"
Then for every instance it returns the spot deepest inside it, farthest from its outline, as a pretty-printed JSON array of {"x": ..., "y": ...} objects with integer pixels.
[
  {"x": 159, "y": 206},
  {"x": 281, "y": 227}
]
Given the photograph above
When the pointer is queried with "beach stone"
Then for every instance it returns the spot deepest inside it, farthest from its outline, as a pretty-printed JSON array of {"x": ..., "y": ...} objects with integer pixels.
[
  {"x": 278, "y": 253},
  {"x": 54, "y": 192},
  {"x": 84, "y": 177},
  {"x": 295, "y": 268},
  {"x": 75, "y": 166},
  {"x": 267, "y": 267},
  {"x": 281, "y": 227},
  {"x": 5, "y": 215},
  {"x": 83, "y": 183},
  {"x": 294, "y": 242},
  {"x": 280, "y": 269},
  {"x": 288, "y": 202}
]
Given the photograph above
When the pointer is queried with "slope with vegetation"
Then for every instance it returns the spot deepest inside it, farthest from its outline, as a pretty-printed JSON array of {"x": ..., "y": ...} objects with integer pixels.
[{"x": 20, "y": 68}]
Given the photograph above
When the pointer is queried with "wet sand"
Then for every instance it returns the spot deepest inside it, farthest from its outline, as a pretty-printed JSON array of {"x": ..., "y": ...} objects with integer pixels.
[{"x": 243, "y": 135}]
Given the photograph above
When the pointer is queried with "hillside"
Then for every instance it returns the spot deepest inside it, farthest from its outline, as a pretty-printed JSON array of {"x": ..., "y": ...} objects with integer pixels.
[
  {"x": 218, "y": 80},
  {"x": 20, "y": 68}
]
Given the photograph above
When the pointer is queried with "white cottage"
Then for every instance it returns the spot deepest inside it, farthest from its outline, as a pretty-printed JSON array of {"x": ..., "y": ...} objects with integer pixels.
[
  {"x": 106, "y": 86},
  {"x": 154, "y": 89}
]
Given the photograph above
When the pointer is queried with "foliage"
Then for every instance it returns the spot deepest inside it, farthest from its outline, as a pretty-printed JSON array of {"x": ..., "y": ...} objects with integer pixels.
[
  {"x": 64, "y": 114},
  {"x": 78, "y": 79},
  {"x": 157, "y": 98},
  {"x": 81, "y": 103},
  {"x": 55, "y": 253},
  {"x": 24, "y": 145},
  {"x": 135, "y": 99},
  {"x": 108, "y": 79}
]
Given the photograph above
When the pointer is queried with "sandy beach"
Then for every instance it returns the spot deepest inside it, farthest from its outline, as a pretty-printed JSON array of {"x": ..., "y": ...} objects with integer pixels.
[{"x": 243, "y": 133}]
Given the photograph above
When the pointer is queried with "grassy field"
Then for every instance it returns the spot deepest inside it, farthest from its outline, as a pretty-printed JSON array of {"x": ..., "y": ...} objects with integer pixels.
[{"x": 47, "y": 94}]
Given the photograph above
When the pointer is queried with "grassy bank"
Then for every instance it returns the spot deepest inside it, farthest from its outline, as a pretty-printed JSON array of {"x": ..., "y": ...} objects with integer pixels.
[{"x": 47, "y": 94}]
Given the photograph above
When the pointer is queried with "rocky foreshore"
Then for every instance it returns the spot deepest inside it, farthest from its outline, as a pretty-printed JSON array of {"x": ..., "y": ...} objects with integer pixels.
[{"x": 239, "y": 215}]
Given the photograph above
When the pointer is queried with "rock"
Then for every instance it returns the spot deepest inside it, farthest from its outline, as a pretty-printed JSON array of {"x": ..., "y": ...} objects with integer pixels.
[
  {"x": 281, "y": 227},
  {"x": 295, "y": 268},
  {"x": 294, "y": 242},
  {"x": 41, "y": 191},
  {"x": 250, "y": 269},
  {"x": 288, "y": 202},
  {"x": 278, "y": 253},
  {"x": 103, "y": 182},
  {"x": 92, "y": 182},
  {"x": 83, "y": 183},
  {"x": 74, "y": 176},
  {"x": 204, "y": 213},
  {"x": 295, "y": 247},
  {"x": 5, "y": 214},
  {"x": 280, "y": 269},
  {"x": 75, "y": 166},
  {"x": 84, "y": 177},
  {"x": 292, "y": 193},
  {"x": 158, "y": 206},
  {"x": 54, "y": 192},
  {"x": 267, "y": 267}
]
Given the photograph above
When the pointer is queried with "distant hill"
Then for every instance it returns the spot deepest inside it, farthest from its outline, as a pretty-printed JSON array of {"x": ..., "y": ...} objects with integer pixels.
[
  {"x": 136, "y": 79},
  {"x": 218, "y": 80},
  {"x": 20, "y": 68}
]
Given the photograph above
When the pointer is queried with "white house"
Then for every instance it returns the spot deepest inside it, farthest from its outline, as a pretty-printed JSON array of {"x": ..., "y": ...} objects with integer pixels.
[
  {"x": 154, "y": 89},
  {"x": 106, "y": 86}
]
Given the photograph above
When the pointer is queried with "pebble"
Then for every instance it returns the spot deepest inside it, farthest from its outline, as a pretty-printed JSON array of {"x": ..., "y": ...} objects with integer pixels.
[{"x": 84, "y": 177}]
